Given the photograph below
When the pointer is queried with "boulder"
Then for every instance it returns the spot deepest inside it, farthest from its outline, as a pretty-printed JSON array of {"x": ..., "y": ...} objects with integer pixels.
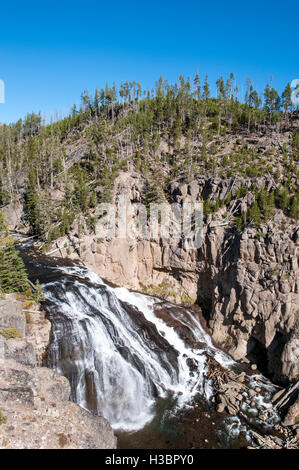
[
  {"x": 21, "y": 351},
  {"x": 292, "y": 416}
]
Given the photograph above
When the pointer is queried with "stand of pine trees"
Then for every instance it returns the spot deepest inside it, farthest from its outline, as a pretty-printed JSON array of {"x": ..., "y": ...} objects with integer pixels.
[
  {"x": 13, "y": 275},
  {"x": 179, "y": 128}
]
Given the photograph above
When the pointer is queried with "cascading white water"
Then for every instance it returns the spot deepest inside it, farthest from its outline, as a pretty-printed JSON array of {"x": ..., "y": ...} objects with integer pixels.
[{"x": 119, "y": 356}]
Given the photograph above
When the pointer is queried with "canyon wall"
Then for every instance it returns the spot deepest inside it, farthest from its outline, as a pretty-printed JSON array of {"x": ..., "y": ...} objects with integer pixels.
[{"x": 246, "y": 283}]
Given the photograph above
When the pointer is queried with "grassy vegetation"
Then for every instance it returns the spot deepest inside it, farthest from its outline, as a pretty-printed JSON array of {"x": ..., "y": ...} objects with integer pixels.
[
  {"x": 3, "y": 418},
  {"x": 10, "y": 333}
]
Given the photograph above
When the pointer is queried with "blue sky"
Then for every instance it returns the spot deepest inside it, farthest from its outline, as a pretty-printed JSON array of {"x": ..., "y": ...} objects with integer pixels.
[{"x": 51, "y": 51}]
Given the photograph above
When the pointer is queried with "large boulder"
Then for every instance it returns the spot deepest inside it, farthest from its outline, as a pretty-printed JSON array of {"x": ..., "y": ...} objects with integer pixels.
[{"x": 21, "y": 351}]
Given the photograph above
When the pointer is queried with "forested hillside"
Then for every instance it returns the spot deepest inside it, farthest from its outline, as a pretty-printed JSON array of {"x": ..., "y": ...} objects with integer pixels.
[{"x": 174, "y": 132}]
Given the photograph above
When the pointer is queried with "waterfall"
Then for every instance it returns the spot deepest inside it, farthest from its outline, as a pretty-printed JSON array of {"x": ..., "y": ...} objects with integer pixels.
[{"x": 117, "y": 353}]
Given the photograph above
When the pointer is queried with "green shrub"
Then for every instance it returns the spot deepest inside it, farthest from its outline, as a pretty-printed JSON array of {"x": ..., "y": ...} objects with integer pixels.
[
  {"x": 3, "y": 418},
  {"x": 185, "y": 299},
  {"x": 9, "y": 333},
  {"x": 28, "y": 318},
  {"x": 38, "y": 293}
]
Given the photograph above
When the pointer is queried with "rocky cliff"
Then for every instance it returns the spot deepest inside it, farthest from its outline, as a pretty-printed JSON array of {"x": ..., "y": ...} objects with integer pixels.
[
  {"x": 246, "y": 282},
  {"x": 35, "y": 411}
]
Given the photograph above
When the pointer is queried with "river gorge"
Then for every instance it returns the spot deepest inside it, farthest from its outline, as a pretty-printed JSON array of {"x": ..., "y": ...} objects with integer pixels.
[{"x": 143, "y": 363}]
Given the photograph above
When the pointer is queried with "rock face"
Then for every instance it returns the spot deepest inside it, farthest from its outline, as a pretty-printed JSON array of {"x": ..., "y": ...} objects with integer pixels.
[
  {"x": 247, "y": 282},
  {"x": 154, "y": 266},
  {"x": 14, "y": 214},
  {"x": 292, "y": 416},
  {"x": 254, "y": 297},
  {"x": 35, "y": 411},
  {"x": 37, "y": 333},
  {"x": 11, "y": 315}
]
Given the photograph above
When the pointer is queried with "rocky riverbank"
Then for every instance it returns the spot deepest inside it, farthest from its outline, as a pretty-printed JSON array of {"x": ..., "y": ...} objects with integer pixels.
[
  {"x": 237, "y": 394},
  {"x": 242, "y": 394},
  {"x": 35, "y": 411}
]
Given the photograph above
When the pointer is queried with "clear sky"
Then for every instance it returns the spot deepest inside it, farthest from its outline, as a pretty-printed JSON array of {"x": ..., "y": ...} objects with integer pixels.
[{"x": 51, "y": 51}]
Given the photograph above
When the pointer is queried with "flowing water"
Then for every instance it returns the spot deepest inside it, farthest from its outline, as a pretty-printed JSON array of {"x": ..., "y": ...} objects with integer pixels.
[{"x": 138, "y": 361}]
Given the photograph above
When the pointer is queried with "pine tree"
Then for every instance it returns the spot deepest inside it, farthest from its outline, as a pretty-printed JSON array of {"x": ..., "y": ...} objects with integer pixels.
[
  {"x": 96, "y": 102},
  {"x": 254, "y": 214},
  {"x": 197, "y": 86},
  {"x": 81, "y": 193},
  {"x": 294, "y": 209},
  {"x": 13, "y": 276},
  {"x": 248, "y": 82},
  {"x": 221, "y": 95},
  {"x": 3, "y": 226},
  {"x": 272, "y": 100},
  {"x": 221, "y": 88},
  {"x": 283, "y": 199},
  {"x": 206, "y": 89},
  {"x": 32, "y": 203},
  {"x": 38, "y": 293},
  {"x": 286, "y": 99}
]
